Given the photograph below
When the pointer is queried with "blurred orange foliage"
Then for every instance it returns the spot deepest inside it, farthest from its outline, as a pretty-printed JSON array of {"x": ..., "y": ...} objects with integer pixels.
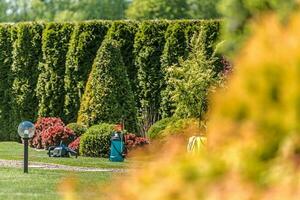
[{"x": 253, "y": 132}]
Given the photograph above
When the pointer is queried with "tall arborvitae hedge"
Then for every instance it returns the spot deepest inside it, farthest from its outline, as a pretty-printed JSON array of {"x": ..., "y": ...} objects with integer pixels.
[
  {"x": 85, "y": 41},
  {"x": 50, "y": 87},
  {"x": 210, "y": 33},
  {"x": 108, "y": 96},
  {"x": 27, "y": 54},
  {"x": 176, "y": 47},
  {"x": 146, "y": 50},
  {"x": 5, "y": 81},
  {"x": 148, "y": 47},
  {"x": 124, "y": 32}
]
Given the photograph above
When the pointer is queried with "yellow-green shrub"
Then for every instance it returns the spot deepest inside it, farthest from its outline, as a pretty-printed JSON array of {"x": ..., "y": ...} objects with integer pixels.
[{"x": 108, "y": 96}]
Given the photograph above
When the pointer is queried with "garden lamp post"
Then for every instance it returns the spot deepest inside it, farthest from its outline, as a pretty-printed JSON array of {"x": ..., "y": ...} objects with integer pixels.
[{"x": 26, "y": 131}]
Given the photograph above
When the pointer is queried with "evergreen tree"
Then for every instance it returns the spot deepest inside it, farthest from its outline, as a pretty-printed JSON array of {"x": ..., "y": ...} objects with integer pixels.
[
  {"x": 85, "y": 42},
  {"x": 108, "y": 96},
  {"x": 124, "y": 33}
]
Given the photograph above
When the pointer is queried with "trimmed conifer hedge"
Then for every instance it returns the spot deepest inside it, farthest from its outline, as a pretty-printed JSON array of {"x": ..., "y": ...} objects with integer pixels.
[
  {"x": 50, "y": 87},
  {"x": 5, "y": 81},
  {"x": 45, "y": 69},
  {"x": 176, "y": 47},
  {"x": 27, "y": 53},
  {"x": 148, "y": 47},
  {"x": 124, "y": 32},
  {"x": 85, "y": 41}
]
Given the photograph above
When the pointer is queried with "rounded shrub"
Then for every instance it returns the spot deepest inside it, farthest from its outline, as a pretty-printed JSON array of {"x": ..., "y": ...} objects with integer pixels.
[
  {"x": 174, "y": 127},
  {"x": 96, "y": 141},
  {"x": 183, "y": 128},
  {"x": 78, "y": 129},
  {"x": 156, "y": 130}
]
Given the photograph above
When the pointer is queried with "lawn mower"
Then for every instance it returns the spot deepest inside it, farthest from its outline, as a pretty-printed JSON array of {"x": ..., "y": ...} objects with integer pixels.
[{"x": 61, "y": 151}]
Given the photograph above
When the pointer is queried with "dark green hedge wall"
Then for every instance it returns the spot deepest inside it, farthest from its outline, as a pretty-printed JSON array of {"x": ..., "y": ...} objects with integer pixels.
[
  {"x": 45, "y": 67},
  {"x": 85, "y": 41},
  {"x": 176, "y": 47},
  {"x": 50, "y": 87},
  {"x": 27, "y": 54},
  {"x": 124, "y": 32},
  {"x": 148, "y": 48},
  {"x": 5, "y": 81}
]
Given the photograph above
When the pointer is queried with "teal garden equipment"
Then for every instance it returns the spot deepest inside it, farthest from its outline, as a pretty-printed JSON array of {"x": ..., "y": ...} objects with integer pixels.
[{"x": 117, "y": 147}]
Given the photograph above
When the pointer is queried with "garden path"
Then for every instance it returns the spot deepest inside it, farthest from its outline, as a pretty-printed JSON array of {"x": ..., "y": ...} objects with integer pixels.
[{"x": 47, "y": 166}]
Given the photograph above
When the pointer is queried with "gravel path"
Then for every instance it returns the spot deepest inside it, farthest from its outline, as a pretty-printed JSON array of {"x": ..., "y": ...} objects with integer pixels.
[{"x": 19, "y": 164}]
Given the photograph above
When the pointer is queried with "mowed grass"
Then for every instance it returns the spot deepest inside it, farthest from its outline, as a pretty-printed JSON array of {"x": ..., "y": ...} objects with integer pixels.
[
  {"x": 14, "y": 151},
  {"x": 48, "y": 184}
]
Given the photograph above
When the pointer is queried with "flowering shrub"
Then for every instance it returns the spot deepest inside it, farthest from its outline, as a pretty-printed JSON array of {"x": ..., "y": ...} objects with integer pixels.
[
  {"x": 132, "y": 141},
  {"x": 75, "y": 145},
  {"x": 56, "y": 134},
  {"x": 51, "y": 131}
]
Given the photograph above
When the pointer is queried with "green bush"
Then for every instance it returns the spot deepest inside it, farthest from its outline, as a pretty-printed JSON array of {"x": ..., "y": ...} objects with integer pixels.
[
  {"x": 174, "y": 126},
  {"x": 96, "y": 141},
  {"x": 50, "y": 86},
  {"x": 27, "y": 53},
  {"x": 148, "y": 47},
  {"x": 184, "y": 127},
  {"x": 108, "y": 96},
  {"x": 85, "y": 41},
  {"x": 156, "y": 130},
  {"x": 5, "y": 82},
  {"x": 78, "y": 129}
]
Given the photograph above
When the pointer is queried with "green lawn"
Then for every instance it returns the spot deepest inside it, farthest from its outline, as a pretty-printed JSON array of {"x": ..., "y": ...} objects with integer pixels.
[
  {"x": 44, "y": 184},
  {"x": 14, "y": 151}
]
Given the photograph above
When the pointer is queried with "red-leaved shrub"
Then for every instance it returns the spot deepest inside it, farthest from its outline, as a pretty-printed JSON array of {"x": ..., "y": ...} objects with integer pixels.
[
  {"x": 75, "y": 145},
  {"x": 50, "y": 131},
  {"x": 132, "y": 141}
]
